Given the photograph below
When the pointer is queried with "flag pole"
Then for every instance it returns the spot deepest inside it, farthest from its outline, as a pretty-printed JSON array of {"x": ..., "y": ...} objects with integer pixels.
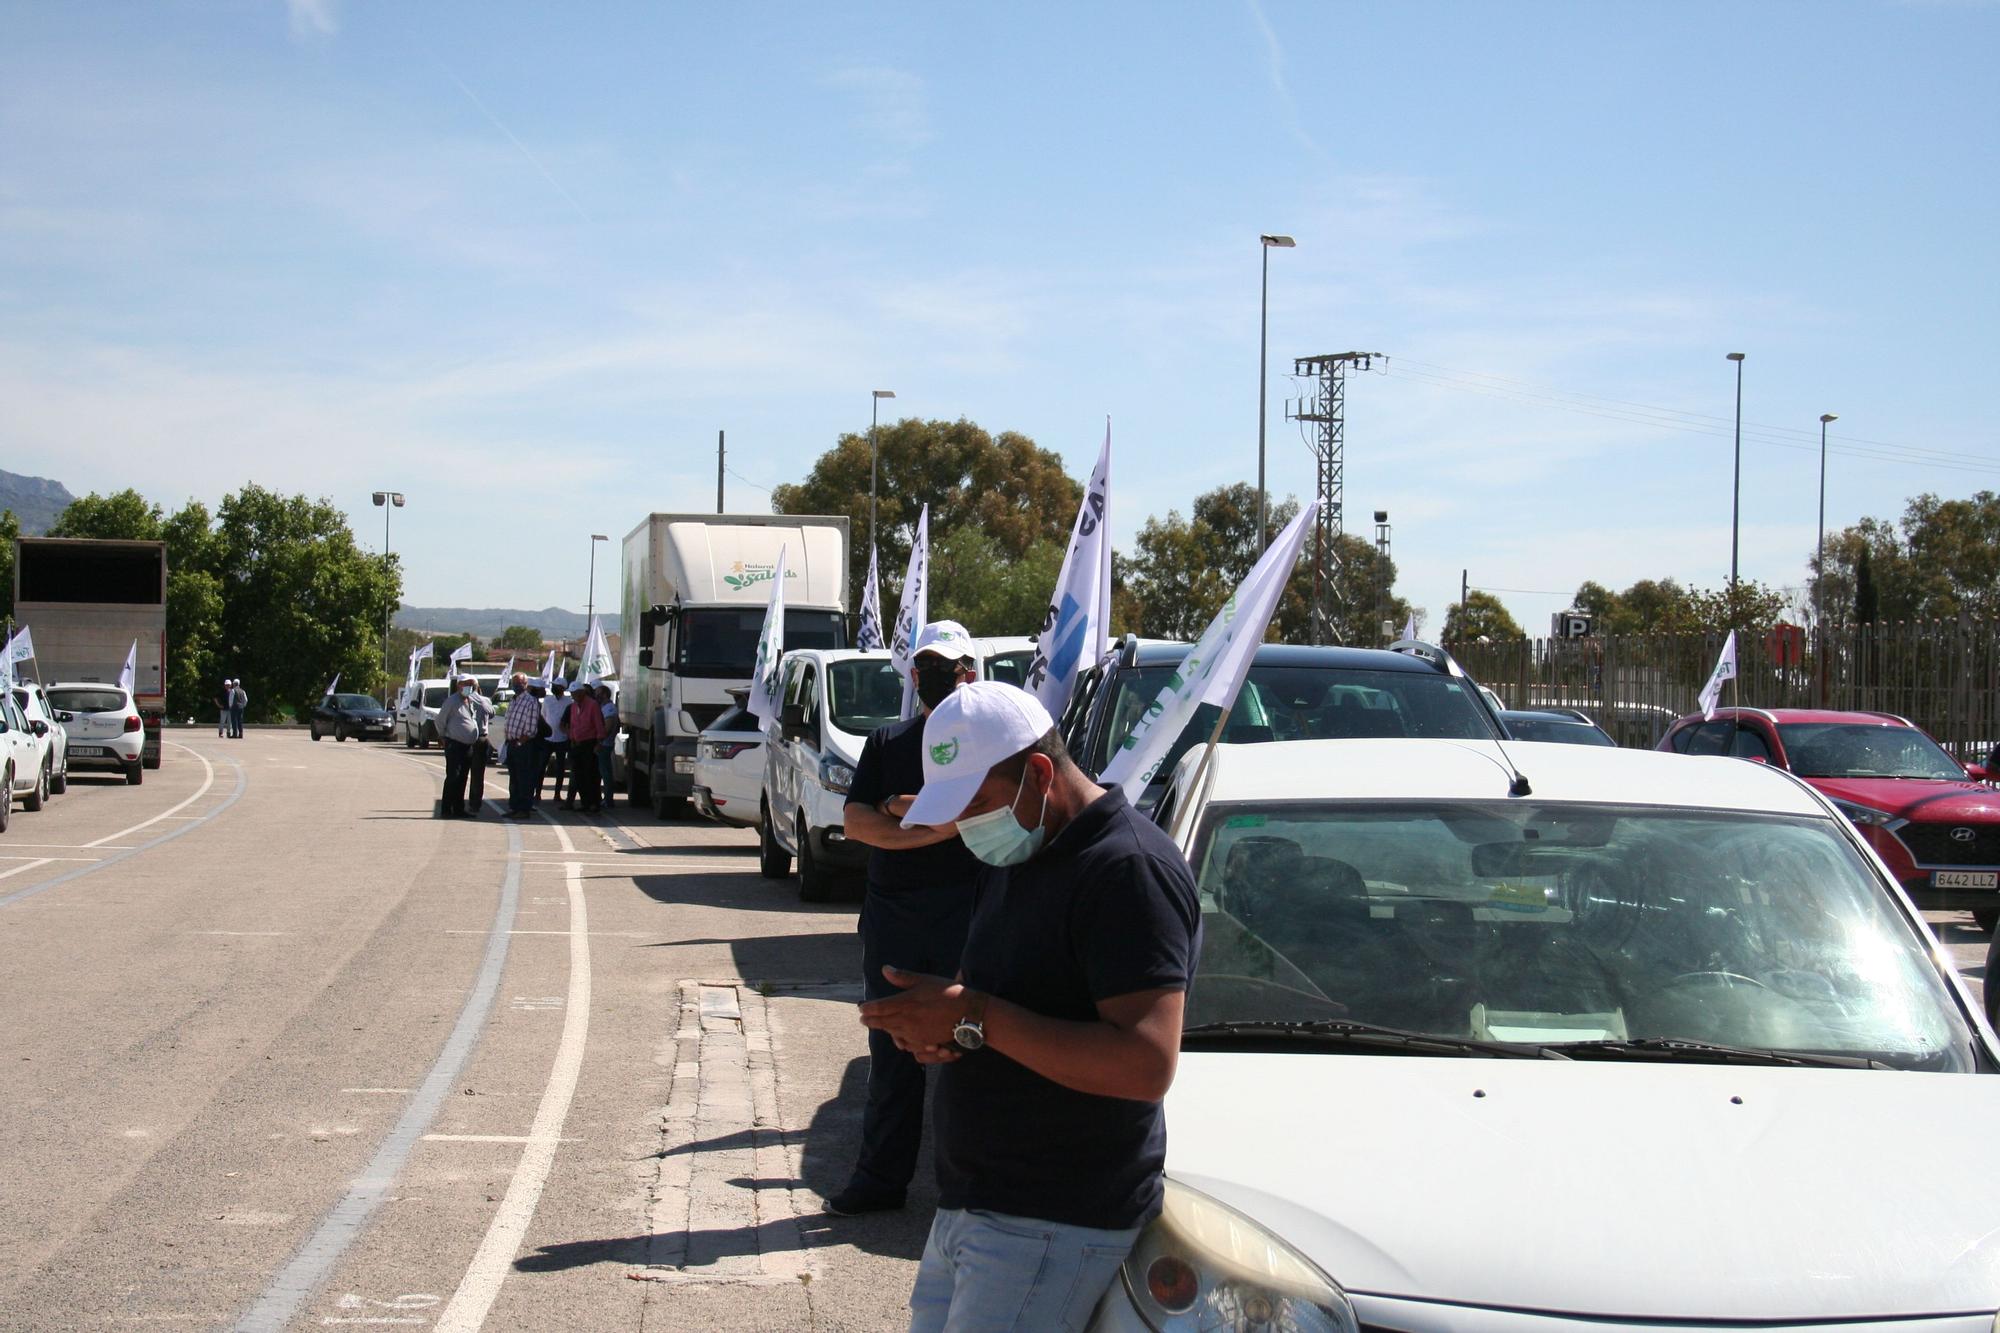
[{"x": 1208, "y": 751}]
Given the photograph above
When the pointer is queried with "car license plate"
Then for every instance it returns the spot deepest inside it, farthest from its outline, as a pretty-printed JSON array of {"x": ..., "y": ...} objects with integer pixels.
[
  {"x": 87, "y": 751},
  {"x": 683, "y": 764},
  {"x": 1965, "y": 879}
]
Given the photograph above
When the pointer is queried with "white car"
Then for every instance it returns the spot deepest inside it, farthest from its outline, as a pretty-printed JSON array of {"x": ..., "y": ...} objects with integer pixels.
[
  {"x": 1655, "y": 1043},
  {"x": 20, "y": 762},
  {"x": 1006, "y": 658},
  {"x": 417, "y": 712},
  {"x": 104, "y": 726},
  {"x": 729, "y": 767},
  {"x": 53, "y": 740},
  {"x": 832, "y": 699}
]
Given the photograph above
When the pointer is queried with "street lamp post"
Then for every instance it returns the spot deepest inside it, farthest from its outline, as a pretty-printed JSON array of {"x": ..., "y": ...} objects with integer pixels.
[
  {"x": 1736, "y": 487},
  {"x": 385, "y": 501},
  {"x": 874, "y": 408},
  {"x": 590, "y": 601},
  {"x": 1819, "y": 550},
  {"x": 1263, "y": 349}
]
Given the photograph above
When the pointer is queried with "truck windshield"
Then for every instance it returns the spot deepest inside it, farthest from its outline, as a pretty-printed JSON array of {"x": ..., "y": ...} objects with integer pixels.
[
  {"x": 714, "y": 643},
  {"x": 866, "y": 693}
]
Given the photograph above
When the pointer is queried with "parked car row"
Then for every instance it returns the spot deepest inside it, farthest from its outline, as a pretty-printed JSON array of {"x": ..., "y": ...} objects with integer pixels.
[{"x": 49, "y": 731}]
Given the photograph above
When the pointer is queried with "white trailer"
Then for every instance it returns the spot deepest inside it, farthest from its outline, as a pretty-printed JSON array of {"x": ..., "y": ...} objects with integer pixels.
[{"x": 695, "y": 589}]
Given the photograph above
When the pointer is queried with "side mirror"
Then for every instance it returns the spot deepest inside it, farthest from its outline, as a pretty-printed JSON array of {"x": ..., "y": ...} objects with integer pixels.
[
  {"x": 39, "y": 727},
  {"x": 1979, "y": 772},
  {"x": 1754, "y": 758},
  {"x": 792, "y": 724},
  {"x": 65, "y": 717}
]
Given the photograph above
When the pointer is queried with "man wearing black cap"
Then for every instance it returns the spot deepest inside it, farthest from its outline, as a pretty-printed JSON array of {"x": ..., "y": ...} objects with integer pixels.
[{"x": 919, "y": 899}]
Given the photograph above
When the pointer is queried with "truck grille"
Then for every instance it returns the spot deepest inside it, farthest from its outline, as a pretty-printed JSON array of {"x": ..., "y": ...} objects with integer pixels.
[{"x": 1933, "y": 844}]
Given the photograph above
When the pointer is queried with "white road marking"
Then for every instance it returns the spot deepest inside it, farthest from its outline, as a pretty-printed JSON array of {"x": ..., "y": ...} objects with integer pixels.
[
  {"x": 66, "y": 846},
  {"x": 490, "y": 1138},
  {"x": 398, "y": 1091},
  {"x": 483, "y": 1277},
  {"x": 257, "y": 933},
  {"x": 207, "y": 781},
  {"x": 18, "y": 869},
  {"x": 44, "y": 860}
]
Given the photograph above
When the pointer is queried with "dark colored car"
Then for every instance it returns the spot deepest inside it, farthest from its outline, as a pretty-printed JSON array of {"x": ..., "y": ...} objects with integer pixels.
[
  {"x": 1292, "y": 693},
  {"x": 1569, "y": 727},
  {"x": 1934, "y": 822},
  {"x": 361, "y": 716}
]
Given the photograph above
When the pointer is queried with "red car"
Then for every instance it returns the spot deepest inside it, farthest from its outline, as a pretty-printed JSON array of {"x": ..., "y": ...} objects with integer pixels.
[{"x": 1934, "y": 822}]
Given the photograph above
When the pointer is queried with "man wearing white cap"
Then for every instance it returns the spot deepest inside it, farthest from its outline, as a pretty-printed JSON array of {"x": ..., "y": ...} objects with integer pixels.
[
  {"x": 918, "y": 902},
  {"x": 1061, "y": 1031}
]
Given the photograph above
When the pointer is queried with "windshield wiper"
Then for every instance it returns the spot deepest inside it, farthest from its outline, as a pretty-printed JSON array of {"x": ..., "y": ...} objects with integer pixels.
[
  {"x": 1348, "y": 1032},
  {"x": 1703, "y": 1052}
]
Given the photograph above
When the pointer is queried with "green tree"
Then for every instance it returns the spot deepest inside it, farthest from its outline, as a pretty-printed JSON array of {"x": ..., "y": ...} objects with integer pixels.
[
  {"x": 10, "y": 532},
  {"x": 975, "y": 583},
  {"x": 124, "y": 516},
  {"x": 1003, "y": 485},
  {"x": 1480, "y": 618},
  {"x": 1939, "y": 560},
  {"x": 1867, "y": 597},
  {"x": 518, "y": 639}
]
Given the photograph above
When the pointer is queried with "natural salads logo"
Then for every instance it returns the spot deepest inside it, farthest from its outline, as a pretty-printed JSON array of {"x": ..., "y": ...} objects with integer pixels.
[{"x": 743, "y": 576}]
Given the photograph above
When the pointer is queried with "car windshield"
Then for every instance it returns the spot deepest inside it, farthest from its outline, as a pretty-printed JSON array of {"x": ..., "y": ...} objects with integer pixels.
[
  {"x": 355, "y": 701},
  {"x": 1523, "y": 727},
  {"x": 1292, "y": 703},
  {"x": 1010, "y": 667},
  {"x": 1864, "y": 750},
  {"x": 715, "y": 644},
  {"x": 434, "y": 696},
  {"x": 863, "y": 693},
  {"x": 87, "y": 700},
  {"x": 1545, "y": 923}
]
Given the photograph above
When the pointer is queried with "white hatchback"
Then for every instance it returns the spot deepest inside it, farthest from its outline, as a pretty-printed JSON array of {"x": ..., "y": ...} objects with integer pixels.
[
  {"x": 104, "y": 726},
  {"x": 51, "y": 743},
  {"x": 832, "y": 700},
  {"x": 1656, "y": 1042},
  {"x": 20, "y": 761},
  {"x": 729, "y": 766}
]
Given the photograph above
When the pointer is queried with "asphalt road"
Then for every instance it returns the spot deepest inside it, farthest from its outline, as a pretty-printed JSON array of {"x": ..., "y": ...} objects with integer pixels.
[{"x": 283, "y": 1051}]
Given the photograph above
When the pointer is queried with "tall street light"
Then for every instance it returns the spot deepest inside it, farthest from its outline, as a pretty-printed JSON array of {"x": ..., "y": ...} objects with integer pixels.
[
  {"x": 874, "y": 407},
  {"x": 1819, "y": 551},
  {"x": 1736, "y": 488},
  {"x": 590, "y": 602},
  {"x": 385, "y": 501},
  {"x": 1263, "y": 347}
]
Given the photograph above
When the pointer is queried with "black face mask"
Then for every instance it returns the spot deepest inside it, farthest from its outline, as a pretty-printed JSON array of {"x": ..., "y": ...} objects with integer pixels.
[{"x": 935, "y": 681}]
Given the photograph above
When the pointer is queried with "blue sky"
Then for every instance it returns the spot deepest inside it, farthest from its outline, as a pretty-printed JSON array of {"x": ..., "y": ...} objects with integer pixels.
[{"x": 522, "y": 261}]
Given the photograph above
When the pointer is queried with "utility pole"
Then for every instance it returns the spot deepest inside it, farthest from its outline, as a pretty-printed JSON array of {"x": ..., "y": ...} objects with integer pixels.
[
  {"x": 1382, "y": 570},
  {"x": 1325, "y": 405},
  {"x": 718, "y": 472}
]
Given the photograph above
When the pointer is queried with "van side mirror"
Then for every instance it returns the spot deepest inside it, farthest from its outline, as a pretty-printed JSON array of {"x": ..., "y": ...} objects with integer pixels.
[{"x": 792, "y": 724}]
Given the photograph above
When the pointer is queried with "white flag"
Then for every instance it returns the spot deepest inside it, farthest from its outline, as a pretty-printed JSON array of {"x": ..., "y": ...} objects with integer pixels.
[
  {"x": 1410, "y": 626},
  {"x": 765, "y": 681},
  {"x": 21, "y": 647},
  {"x": 1076, "y": 629},
  {"x": 1214, "y": 668},
  {"x": 596, "y": 655},
  {"x": 462, "y": 653},
  {"x": 417, "y": 655},
  {"x": 332, "y": 685},
  {"x": 507, "y": 676},
  {"x": 868, "y": 634},
  {"x": 1725, "y": 670},
  {"x": 914, "y": 612},
  {"x": 128, "y": 678},
  {"x": 549, "y": 668}
]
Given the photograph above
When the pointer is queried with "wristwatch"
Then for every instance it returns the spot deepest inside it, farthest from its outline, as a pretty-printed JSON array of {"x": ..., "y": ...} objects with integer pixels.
[{"x": 970, "y": 1034}]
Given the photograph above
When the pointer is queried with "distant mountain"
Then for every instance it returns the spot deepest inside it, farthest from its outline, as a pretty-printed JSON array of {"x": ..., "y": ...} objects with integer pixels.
[
  {"x": 35, "y": 501},
  {"x": 552, "y": 621}
]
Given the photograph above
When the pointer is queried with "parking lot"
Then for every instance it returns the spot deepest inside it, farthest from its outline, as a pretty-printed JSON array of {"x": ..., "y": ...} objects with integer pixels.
[{"x": 289, "y": 1053}]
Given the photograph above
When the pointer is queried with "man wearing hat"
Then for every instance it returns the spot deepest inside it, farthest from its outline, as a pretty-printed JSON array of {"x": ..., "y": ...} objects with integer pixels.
[
  {"x": 524, "y": 745},
  {"x": 918, "y": 901},
  {"x": 1060, "y": 1031},
  {"x": 462, "y": 722}
]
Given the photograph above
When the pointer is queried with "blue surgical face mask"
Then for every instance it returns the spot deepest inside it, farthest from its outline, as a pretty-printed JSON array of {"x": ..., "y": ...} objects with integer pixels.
[{"x": 998, "y": 839}]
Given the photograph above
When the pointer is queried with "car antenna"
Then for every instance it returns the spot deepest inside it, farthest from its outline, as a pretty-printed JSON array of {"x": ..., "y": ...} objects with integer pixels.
[{"x": 1519, "y": 786}]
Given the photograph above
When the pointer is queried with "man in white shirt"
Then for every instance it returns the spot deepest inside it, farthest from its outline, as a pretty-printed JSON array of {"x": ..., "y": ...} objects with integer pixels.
[{"x": 555, "y": 712}]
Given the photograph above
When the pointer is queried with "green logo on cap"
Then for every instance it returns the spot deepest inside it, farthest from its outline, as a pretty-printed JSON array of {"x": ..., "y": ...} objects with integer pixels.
[{"x": 944, "y": 752}]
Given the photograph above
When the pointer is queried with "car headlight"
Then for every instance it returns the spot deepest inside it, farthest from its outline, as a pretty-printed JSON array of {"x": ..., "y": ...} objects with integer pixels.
[
  {"x": 1867, "y": 816},
  {"x": 835, "y": 776},
  {"x": 1203, "y": 1265}
]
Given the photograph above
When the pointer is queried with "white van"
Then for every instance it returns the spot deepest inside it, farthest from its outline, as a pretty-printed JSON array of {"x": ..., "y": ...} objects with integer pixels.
[
  {"x": 417, "y": 711},
  {"x": 1006, "y": 658},
  {"x": 832, "y": 699}
]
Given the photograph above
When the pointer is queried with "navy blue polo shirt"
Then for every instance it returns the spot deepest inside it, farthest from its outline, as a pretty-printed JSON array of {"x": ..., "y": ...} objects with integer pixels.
[
  {"x": 892, "y": 764},
  {"x": 1107, "y": 908}
]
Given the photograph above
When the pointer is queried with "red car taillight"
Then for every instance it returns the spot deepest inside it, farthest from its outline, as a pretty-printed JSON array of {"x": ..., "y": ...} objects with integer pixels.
[{"x": 133, "y": 723}]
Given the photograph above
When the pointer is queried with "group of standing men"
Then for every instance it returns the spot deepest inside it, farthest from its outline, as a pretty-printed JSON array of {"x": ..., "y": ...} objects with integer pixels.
[
  {"x": 1033, "y": 934},
  {"x": 552, "y": 733},
  {"x": 229, "y": 705},
  {"x": 564, "y": 734}
]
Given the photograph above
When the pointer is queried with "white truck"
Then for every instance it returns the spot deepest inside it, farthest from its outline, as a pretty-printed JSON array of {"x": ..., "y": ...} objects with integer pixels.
[
  {"x": 87, "y": 600},
  {"x": 695, "y": 589}
]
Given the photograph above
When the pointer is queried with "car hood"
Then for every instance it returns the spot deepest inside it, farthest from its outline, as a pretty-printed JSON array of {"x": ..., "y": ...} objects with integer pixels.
[
  {"x": 1917, "y": 798},
  {"x": 1618, "y": 1190}
]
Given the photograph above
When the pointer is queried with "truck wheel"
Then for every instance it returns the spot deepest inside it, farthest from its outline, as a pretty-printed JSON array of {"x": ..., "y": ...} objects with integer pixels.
[
  {"x": 150, "y": 758},
  {"x": 773, "y": 861},
  {"x": 815, "y": 885},
  {"x": 134, "y": 774},
  {"x": 39, "y": 797},
  {"x": 638, "y": 793}
]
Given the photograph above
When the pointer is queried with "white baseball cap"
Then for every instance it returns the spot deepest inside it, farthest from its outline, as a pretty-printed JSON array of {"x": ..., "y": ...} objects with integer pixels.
[
  {"x": 965, "y": 736},
  {"x": 946, "y": 638}
]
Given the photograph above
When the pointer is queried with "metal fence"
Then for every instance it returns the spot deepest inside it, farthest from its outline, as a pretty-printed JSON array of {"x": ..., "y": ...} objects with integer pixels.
[{"x": 1944, "y": 675}]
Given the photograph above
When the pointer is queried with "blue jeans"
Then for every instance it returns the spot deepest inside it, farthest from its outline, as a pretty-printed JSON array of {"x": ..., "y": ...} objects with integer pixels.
[
  {"x": 989, "y": 1273},
  {"x": 524, "y": 774}
]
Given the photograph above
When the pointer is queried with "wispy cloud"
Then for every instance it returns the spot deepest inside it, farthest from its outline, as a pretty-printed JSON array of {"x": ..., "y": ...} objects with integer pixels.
[
  {"x": 313, "y": 18},
  {"x": 893, "y": 104},
  {"x": 1274, "y": 53}
]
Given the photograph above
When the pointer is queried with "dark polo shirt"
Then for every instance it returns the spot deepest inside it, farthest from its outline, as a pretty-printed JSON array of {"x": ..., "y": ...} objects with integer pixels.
[
  {"x": 1107, "y": 908},
  {"x": 892, "y": 764}
]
